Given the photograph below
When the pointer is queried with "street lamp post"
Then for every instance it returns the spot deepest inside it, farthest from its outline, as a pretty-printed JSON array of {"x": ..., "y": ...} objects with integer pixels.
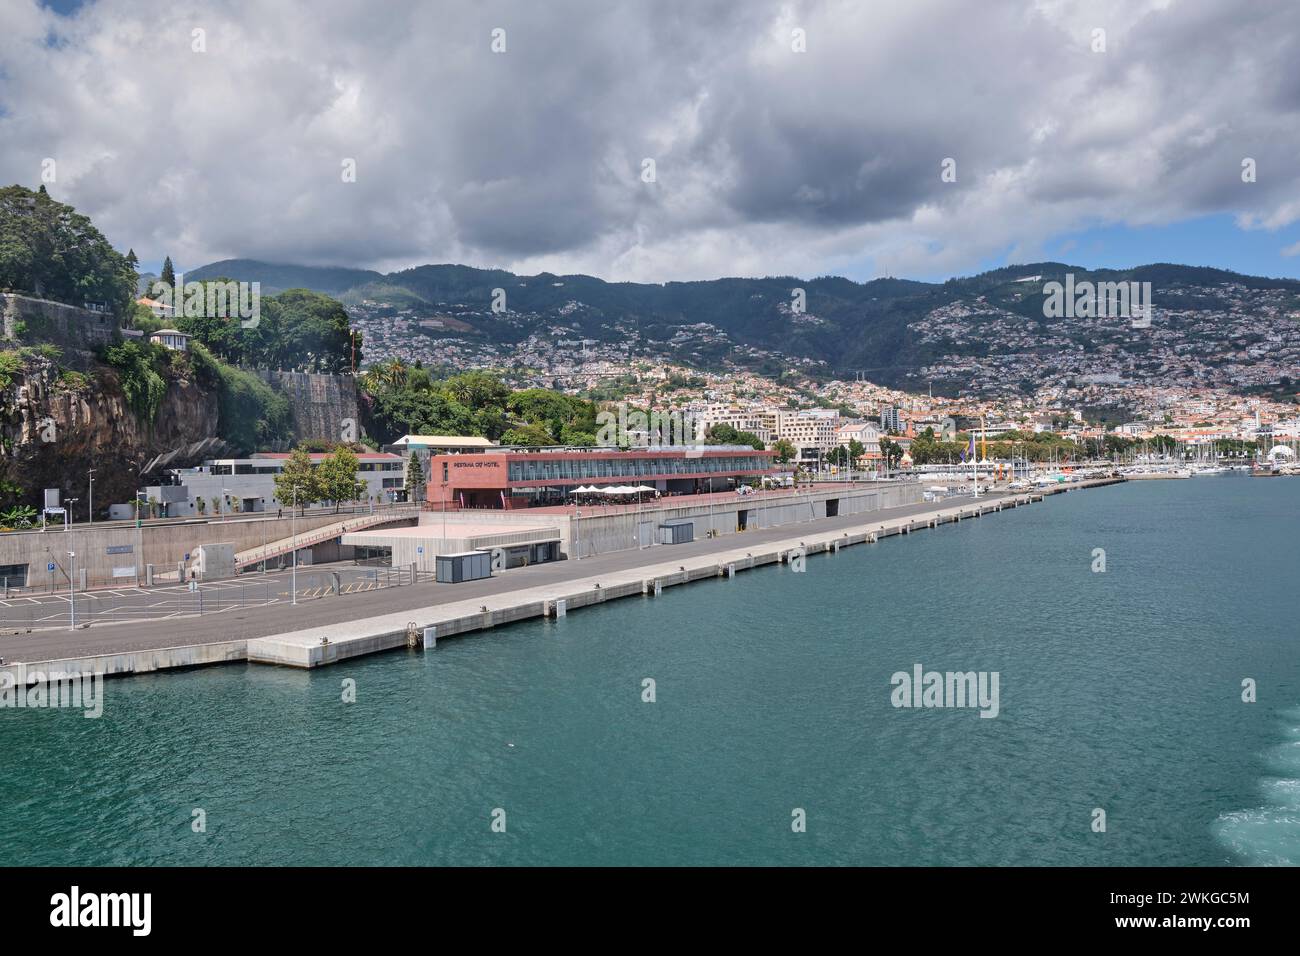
[
  {"x": 67, "y": 515},
  {"x": 293, "y": 521},
  {"x": 72, "y": 594},
  {"x": 91, "y": 506}
]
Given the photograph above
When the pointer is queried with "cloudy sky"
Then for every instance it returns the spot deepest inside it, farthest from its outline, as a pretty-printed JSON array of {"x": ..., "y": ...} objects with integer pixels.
[{"x": 222, "y": 129}]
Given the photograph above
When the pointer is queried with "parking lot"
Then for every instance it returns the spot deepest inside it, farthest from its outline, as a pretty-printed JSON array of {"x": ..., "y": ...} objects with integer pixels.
[{"x": 134, "y": 605}]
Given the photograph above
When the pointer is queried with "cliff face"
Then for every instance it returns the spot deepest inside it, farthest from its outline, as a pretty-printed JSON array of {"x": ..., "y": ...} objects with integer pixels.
[
  {"x": 324, "y": 406},
  {"x": 52, "y": 430}
]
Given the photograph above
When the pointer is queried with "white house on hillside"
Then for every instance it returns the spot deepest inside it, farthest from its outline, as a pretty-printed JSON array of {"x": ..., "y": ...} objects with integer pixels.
[{"x": 171, "y": 339}]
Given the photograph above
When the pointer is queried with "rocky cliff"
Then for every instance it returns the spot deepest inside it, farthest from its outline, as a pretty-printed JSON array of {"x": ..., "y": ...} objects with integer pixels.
[{"x": 54, "y": 426}]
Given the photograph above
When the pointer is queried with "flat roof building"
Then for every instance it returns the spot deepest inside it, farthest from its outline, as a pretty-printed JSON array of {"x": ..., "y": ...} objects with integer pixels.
[
  {"x": 248, "y": 484},
  {"x": 443, "y": 444},
  {"x": 523, "y": 478}
]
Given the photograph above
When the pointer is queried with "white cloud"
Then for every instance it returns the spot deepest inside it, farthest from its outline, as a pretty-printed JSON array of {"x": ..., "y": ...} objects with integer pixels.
[{"x": 768, "y": 161}]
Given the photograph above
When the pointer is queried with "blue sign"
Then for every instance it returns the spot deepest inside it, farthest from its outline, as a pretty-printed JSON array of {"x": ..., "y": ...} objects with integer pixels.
[
  {"x": 50, "y": 566},
  {"x": 419, "y": 549},
  {"x": 187, "y": 555}
]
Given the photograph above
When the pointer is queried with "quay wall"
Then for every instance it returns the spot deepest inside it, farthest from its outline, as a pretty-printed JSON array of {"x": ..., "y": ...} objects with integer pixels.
[
  {"x": 601, "y": 530},
  {"x": 325, "y": 645},
  {"x": 161, "y": 545},
  {"x": 319, "y": 646}
]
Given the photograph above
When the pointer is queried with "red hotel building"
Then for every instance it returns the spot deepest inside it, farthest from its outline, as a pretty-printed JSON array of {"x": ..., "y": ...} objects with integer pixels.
[{"x": 523, "y": 479}]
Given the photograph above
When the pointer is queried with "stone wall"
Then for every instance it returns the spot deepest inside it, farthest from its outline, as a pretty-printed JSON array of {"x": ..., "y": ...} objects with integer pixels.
[
  {"x": 322, "y": 404},
  {"x": 77, "y": 331}
]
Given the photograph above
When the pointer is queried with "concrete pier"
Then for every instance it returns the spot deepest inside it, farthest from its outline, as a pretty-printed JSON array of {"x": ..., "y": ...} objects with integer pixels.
[
  {"x": 493, "y": 602},
  {"x": 318, "y": 646}
]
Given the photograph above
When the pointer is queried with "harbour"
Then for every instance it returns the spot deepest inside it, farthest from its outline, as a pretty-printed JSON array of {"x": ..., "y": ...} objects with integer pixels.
[
  {"x": 574, "y": 585},
  {"x": 1118, "y": 690}
]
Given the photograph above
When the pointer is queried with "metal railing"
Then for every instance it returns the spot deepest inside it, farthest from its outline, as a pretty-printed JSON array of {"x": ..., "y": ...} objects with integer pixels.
[
  {"x": 56, "y": 612},
  {"x": 317, "y": 535}
]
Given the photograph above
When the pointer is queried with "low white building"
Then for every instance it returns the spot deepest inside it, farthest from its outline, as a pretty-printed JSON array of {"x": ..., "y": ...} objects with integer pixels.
[
  {"x": 172, "y": 339},
  {"x": 230, "y": 485}
]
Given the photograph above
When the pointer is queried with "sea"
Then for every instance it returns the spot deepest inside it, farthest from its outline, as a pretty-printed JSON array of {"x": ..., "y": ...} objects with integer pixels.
[{"x": 1144, "y": 639}]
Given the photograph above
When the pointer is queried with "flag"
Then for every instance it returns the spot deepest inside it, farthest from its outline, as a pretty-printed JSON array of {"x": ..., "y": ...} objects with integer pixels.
[{"x": 971, "y": 450}]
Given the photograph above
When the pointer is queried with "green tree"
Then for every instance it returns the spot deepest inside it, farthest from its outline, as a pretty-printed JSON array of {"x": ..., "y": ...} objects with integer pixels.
[
  {"x": 298, "y": 481},
  {"x": 414, "y": 479},
  {"x": 297, "y": 330},
  {"x": 891, "y": 451},
  {"x": 49, "y": 250},
  {"x": 337, "y": 477},
  {"x": 724, "y": 434},
  {"x": 531, "y": 434},
  {"x": 785, "y": 450},
  {"x": 168, "y": 273}
]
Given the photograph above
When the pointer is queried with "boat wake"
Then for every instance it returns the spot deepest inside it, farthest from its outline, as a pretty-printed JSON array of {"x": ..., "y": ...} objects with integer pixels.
[{"x": 1269, "y": 835}]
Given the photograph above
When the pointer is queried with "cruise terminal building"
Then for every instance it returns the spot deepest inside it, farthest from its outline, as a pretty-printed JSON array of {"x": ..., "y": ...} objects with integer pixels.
[
  {"x": 518, "y": 479},
  {"x": 530, "y": 505}
]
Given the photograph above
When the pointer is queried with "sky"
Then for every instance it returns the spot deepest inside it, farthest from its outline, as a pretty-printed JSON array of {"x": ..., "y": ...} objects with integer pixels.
[{"x": 800, "y": 139}]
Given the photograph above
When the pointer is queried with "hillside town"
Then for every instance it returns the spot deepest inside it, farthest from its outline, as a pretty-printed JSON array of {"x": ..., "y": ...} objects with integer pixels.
[{"x": 1177, "y": 381}]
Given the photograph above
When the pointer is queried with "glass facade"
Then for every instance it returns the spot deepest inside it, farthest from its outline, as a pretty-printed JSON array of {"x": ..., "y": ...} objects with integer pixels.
[{"x": 632, "y": 466}]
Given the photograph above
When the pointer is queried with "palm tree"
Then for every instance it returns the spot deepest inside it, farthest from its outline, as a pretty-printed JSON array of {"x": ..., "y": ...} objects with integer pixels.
[{"x": 391, "y": 374}]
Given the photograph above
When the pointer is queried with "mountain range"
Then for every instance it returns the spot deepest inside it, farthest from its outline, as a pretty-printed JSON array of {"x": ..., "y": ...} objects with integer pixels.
[{"x": 968, "y": 334}]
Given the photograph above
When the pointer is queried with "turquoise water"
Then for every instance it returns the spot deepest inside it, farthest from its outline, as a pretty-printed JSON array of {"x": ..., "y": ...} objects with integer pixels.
[{"x": 1119, "y": 691}]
